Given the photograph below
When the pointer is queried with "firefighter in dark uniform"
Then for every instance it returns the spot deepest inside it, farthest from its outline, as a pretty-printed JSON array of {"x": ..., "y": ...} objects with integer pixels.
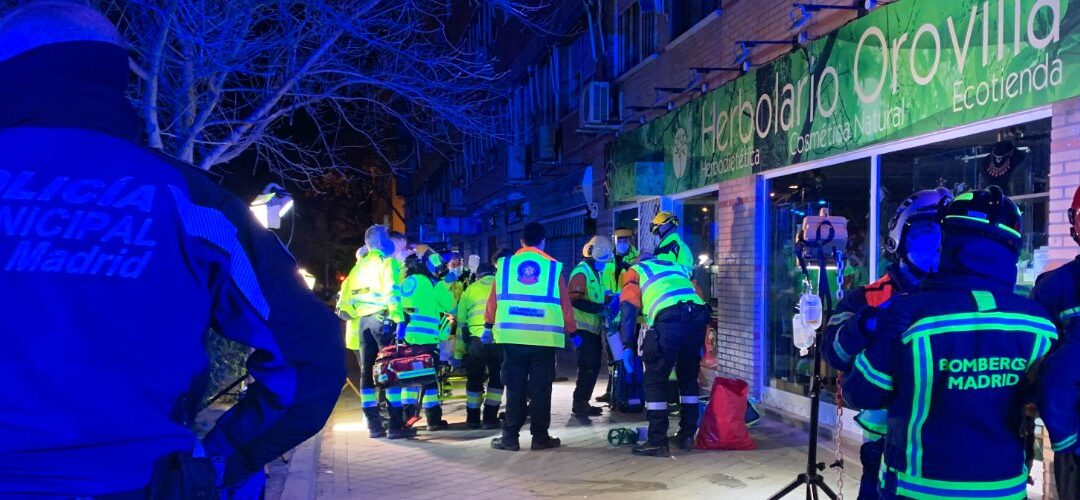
[
  {"x": 950, "y": 362},
  {"x": 915, "y": 241}
]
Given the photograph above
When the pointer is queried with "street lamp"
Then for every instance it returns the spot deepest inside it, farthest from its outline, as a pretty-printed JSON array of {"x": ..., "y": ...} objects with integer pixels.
[{"x": 270, "y": 206}]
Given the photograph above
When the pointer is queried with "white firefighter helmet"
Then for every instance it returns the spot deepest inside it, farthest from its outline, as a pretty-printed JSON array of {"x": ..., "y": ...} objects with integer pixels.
[{"x": 921, "y": 206}]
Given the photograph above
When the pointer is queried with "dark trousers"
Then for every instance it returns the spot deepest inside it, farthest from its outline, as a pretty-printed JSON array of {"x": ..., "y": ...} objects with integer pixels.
[
  {"x": 370, "y": 343},
  {"x": 680, "y": 332},
  {"x": 528, "y": 372},
  {"x": 1067, "y": 475},
  {"x": 870, "y": 456},
  {"x": 588, "y": 363},
  {"x": 482, "y": 363},
  {"x": 371, "y": 340}
]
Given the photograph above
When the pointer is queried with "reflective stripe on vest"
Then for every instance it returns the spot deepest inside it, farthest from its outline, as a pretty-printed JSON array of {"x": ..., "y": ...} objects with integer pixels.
[
  {"x": 529, "y": 310},
  {"x": 589, "y": 322},
  {"x": 664, "y": 284},
  {"x": 475, "y": 299},
  {"x": 418, "y": 294},
  {"x": 372, "y": 297}
]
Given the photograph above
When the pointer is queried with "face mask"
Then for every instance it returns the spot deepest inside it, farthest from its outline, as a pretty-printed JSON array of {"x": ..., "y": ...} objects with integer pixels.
[
  {"x": 622, "y": 247},
  {"x": 923, "y": 244},
  {"x": 599, "y": 266}
]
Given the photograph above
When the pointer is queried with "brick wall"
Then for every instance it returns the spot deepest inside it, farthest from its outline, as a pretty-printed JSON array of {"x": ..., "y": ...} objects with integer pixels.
[
  {"x": 714, "y": 46},
  {"x": 1064, "y": 178},
  {"x": 735, "y": 286}
]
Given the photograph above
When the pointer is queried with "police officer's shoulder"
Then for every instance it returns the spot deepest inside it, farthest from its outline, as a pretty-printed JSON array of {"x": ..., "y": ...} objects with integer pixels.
[
  {"x": 203, "y": 187},
  {"x": 186, "y": 168}
]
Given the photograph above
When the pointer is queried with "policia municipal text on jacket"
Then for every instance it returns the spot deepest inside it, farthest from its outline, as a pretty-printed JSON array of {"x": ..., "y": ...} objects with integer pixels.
[
  {"x": 676, "y": 318},
  {"x": 168, "y": 255},
  {"x": 914, "y": 240},
  {"x": 482, "y": 361},
  {"x": 529, "y": 314},
  {"x": 1059, "y": 292},
  {"x": 370, "y": 302},
  {"x": 949, "y": 363}
]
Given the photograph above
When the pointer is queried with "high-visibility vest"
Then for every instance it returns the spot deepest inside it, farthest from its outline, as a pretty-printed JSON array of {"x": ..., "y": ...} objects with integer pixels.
[
  {"x": 594, "y": 292},
  {"x": 473, "y": 304},
  {"x": 529, "y": 309},
  {"x": 674, "y": 249},
  {"x": 426, "y": 304},
  {"x": 664, "y": 284},
  {"x": 372, "y": 287}
]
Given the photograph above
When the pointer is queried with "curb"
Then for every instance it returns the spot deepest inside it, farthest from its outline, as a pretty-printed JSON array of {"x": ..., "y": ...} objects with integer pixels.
[{"x": 303, "y": 467}]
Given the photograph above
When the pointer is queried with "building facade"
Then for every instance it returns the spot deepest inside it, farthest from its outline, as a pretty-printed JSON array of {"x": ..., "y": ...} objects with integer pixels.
[{"x": 745, "y": 116}]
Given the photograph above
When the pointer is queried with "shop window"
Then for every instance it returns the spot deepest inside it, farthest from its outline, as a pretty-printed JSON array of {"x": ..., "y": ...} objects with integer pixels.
[
  {"x": 636, "y": 37},
  {"x": 698, "y": 228},
  {"x": 845, "y": 190},
  {"x": 686, "y": 13},
  {"x": 1016, "y": 158}
]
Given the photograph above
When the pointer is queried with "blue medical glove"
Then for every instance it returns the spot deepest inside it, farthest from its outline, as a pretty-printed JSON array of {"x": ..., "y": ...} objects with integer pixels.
[
  {"x": 455, "y": 363},
  {"x": 613, "y": 305},
  {"x": 628, "y": 360},
  {"x": 487, "y": 337},
  {"x": 400, "y": 332},
  {"x": 576, "y": 340}
]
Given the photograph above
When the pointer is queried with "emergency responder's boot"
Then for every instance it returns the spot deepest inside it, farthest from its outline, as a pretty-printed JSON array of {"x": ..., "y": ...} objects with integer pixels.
[
  {"x": 434, "y": 419},
  {"x": 582, "y": 409},
  {"x": 374, "y": 422},
  {"x": 491, "y": 417},
  {"x": 400, "y": 433},
  {"x": 545, "y": 443},
  {"x": 472, "y": 418},
  {"x": 688, "y": 422},
  {"x": 651, "y": 450},
  {"x": 504, "y": 444},
  {"x": 685, "y": 441}
]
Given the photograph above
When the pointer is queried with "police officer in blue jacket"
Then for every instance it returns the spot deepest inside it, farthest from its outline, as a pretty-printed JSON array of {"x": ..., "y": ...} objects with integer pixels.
[
  {"x": 915, "y": 241},
  {"x": 949, "y": 363},
  {"x": 115, "y": 261}
]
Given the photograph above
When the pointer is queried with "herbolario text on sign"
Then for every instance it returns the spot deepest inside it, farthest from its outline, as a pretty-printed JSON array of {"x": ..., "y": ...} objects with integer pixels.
[{"x": 903, "y": 70}]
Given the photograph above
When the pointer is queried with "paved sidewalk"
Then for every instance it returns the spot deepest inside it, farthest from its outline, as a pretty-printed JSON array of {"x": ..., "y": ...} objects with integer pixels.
[{"x": 459, "y": 463}]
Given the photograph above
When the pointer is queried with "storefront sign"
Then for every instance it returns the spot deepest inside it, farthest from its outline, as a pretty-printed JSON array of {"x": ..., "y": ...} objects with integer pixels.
[{"x": 906, "y": 69}]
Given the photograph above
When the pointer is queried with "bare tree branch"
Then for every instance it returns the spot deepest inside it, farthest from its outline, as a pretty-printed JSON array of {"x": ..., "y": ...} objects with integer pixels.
[{"x": 219, "y": 78}]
